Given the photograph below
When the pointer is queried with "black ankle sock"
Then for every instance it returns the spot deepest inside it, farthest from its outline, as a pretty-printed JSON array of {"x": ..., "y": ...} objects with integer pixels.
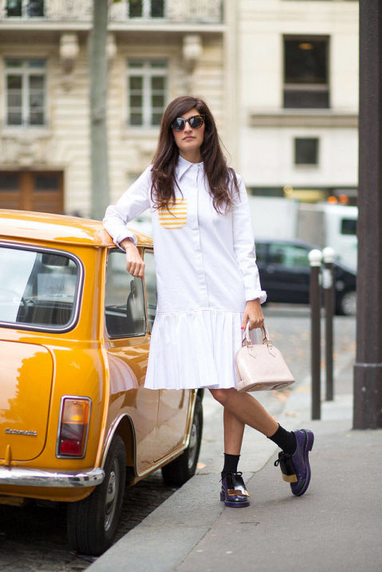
[
  {"x": 230, "y": 463},
  {"x": 286, "y": 440}
]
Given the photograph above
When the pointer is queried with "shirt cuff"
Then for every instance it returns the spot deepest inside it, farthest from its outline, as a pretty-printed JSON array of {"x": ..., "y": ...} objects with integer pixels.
[
  {"x": 252, "y": 294},
  {"x": 121, "y": 238}
]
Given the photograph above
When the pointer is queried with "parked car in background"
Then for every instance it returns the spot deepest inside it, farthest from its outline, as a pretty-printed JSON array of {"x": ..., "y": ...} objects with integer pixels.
[
  {"x": 322, "y": 223},
  {"x": 76, "y": 422},
  {"x": 285, "y": 274}
]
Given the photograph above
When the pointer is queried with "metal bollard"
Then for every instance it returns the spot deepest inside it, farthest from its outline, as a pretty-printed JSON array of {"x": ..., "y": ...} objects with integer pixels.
[
  {"x": 328, "y": 285},
  {"x": 315, "y": 258}
]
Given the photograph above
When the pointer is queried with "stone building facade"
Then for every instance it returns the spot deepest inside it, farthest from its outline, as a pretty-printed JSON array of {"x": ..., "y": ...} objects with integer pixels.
[
  {"x": 157, "y": 50},
  {"x": 235, "y": 54},
  {"x": 297, "y": 105}
]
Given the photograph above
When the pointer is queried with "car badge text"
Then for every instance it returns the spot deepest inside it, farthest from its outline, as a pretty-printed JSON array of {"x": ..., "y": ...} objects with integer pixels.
[{"x": 27, "y": 433}]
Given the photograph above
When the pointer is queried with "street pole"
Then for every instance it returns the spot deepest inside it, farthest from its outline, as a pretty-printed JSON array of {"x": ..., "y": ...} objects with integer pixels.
[
  {"x": 315, "y": 258},
  {"x": 368, "y": 366},
  {"x": 99, "y": 161},
  {"x": 328, "y": 285}
]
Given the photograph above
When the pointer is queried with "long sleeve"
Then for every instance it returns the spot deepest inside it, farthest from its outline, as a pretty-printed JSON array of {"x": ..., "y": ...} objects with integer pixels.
[
  {"x": 131, "y": 204},
  {"x": 244, "y": 247}
]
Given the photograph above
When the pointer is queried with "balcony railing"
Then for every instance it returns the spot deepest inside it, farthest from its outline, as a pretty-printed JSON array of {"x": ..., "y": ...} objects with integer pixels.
[{"x": 175, "y": 12}]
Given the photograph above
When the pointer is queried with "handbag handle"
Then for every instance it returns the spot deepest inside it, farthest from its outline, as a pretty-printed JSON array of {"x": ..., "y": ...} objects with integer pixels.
[{"x": 246, "y": 341}]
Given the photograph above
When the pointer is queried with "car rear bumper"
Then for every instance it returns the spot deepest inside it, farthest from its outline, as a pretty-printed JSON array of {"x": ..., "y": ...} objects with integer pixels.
[{"x": 37, "y": 478}]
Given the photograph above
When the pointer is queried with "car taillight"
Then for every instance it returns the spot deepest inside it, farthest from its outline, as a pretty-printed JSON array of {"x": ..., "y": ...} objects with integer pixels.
[{"x": 74, "y": 424}]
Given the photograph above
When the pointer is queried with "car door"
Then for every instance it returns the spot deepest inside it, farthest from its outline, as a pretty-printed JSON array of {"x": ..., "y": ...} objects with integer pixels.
[
  {"x": 173, "y": 404},
  {"x": 286, "y": 273},
  {"x": 127, "y": 344}
]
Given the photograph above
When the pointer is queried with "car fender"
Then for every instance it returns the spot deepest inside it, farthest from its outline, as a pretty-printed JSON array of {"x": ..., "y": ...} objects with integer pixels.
[{"x": 122, "y": 425}]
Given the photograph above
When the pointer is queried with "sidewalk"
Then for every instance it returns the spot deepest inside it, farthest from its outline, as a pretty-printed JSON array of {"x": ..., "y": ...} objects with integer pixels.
[{"x": 336, "y": 526}]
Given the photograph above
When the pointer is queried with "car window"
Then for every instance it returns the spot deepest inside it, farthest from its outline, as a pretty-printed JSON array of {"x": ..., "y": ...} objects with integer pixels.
[
  {"x": 39, "y": 289},
  {"x": 124, "y": 299},
  {"x": 349, "y": 226},
  {"x": 261, "y": 251},
  {"x": 289, "y": 255},
  {"x": 151, "y": 287}
]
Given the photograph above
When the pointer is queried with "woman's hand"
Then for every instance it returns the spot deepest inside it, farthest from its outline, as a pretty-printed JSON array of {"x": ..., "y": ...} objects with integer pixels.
[
  {"x": 134, "y": 262},
  {"x": 254, "y": 314}
]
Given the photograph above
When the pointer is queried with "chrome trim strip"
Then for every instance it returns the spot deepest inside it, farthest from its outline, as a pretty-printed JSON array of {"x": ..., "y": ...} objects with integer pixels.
[
  {"x": 159, "y": 464},
  {"x": 191, "y": 418},
  {"x": 38, "y": 478}
]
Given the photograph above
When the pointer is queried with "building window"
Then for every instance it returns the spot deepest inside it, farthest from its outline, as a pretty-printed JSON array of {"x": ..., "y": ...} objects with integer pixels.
[
  {"x": 25, "y": 83},
  {"x": 147, "y": 92},
  {"x": 306, "y": 151},
  {"x": 146, "y": 8},
  {"x": 25, "y": 8},
  {"x": 306, "y": 74}
]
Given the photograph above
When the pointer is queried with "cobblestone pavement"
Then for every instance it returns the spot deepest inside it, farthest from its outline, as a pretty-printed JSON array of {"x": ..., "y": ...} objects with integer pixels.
[{"x": 34, "y": 537}]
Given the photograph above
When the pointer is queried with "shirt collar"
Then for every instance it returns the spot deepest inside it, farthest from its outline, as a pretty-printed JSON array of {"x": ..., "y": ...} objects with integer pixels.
[{"x": 183, "y": 166}]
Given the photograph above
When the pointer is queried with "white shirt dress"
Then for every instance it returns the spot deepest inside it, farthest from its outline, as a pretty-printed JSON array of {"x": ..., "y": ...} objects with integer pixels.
[{"x": 206, "y": 271}]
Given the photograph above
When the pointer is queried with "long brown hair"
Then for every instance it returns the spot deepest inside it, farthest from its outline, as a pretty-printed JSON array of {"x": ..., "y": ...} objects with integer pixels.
[{"x": 221, "y": 179}]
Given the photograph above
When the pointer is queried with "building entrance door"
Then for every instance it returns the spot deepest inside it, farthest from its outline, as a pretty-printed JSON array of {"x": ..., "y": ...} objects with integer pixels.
[{"x": 32, "y": 191}]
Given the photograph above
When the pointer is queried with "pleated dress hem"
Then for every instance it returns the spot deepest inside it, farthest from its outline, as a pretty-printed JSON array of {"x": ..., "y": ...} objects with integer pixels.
[{"x": 194, "y": 350}]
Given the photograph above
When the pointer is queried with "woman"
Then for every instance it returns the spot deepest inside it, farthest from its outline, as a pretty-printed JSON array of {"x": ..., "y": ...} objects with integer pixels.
[{"x": 208, "y": 283}]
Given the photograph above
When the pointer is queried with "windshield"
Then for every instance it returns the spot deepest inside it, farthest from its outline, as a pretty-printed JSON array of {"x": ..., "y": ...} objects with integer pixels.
[{"x": 38, "y": 289}]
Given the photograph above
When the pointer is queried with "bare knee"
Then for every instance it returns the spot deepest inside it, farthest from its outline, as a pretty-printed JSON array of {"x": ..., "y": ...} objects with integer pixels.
[{"x": 222, "y": 395}]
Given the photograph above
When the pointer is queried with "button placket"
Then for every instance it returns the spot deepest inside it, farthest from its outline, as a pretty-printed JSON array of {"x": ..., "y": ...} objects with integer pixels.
[{"x": 199, "y": 184}]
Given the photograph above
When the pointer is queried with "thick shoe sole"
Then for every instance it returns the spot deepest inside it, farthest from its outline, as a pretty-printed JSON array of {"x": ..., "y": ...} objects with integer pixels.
[
  {"x": 308, "y": 446},
  {"x": 233, "y": 504}
]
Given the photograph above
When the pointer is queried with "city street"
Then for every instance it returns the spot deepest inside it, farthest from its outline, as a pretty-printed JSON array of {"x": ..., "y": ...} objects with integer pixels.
[
  {"x": 34, "y": 537},
  {"x": 196, "y": 126}
]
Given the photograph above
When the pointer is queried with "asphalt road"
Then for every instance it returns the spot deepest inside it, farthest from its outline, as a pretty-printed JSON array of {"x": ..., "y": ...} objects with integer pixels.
[{"x": 34, "y": 537}]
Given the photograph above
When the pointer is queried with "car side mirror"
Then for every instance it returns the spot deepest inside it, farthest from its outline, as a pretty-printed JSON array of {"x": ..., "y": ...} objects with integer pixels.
[{"x": 54, "y": 260}]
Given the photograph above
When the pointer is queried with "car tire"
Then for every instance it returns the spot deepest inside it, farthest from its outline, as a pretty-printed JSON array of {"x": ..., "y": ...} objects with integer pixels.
[
  {"x": 347, "y": 304},
  {"x": 92, "y": 522},
  {"x": 180, "y": 470}
]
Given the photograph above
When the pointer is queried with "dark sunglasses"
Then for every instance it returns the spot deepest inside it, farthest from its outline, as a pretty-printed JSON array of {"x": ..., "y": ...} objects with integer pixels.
[{"x": 195, "y": 122}]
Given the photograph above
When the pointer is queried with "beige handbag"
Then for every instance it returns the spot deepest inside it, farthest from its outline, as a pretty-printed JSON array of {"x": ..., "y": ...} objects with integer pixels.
[{"x": 261, "y": 367}]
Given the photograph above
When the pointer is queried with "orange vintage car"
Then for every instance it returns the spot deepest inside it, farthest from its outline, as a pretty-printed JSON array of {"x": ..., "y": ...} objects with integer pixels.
[{"x": 76, "y": 422}]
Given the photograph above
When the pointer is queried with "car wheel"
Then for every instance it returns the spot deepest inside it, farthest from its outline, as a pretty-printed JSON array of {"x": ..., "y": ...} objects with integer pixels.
[
  {"x": 92, "y": 522},
  {"x": 183, "y": 468},
  {"x": 347, "y": 305}
]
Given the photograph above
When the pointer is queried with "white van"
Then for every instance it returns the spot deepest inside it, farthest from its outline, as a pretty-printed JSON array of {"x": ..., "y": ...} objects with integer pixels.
[{"x": 334, "y": 225}]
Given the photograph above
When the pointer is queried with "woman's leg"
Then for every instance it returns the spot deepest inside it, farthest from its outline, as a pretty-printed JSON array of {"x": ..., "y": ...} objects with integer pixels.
[
  {"x": 296, "y": 445},
  {"x": 233, "y": 492},
  {"x": 247, "y": 410},
  {"x": 233, "y": 433}
]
